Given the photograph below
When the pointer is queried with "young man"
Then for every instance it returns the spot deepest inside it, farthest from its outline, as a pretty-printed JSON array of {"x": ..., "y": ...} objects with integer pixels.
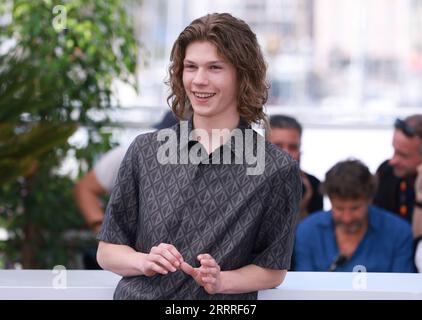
[
  {"x": 353, "y": 235},
  {"x": 195, "y": 230},
  {"x": 286, "y": 133}
]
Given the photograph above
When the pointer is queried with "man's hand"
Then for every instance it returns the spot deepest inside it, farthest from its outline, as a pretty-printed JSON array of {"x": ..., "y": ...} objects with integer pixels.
[
  {"x": 162, "y": 259},
  {"x": 208, "y": 275}
]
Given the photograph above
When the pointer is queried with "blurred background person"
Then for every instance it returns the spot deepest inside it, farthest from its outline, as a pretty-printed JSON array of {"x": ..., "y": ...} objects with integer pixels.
[
  {"x": 286, "y": 133},
  {"x": 353, "y": 232},
  {"x": 397, "y": 176},
  {"x": 400, "y": 178}
]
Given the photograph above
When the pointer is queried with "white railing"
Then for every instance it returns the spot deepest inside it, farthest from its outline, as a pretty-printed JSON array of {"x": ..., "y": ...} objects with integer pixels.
[{"x": 99, "y": 285}]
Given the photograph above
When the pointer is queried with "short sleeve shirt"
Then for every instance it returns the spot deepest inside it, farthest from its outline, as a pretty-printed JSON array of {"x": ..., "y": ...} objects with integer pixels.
[
  {"x": 219, "y": 209},
  {"x": 394, "y": 193}
]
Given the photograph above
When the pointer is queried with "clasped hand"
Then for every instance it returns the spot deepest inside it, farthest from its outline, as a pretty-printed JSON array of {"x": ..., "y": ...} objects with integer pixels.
[{"x": 165, "y": 258}]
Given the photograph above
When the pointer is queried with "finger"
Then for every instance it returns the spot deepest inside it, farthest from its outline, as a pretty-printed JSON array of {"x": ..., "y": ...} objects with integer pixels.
[
  {"x": 212, "y": 271},
  {"x": 188, "y": 269},
  {"x": 157, "y": 268},
  {"x": 209, "y": 263},
  {"x": 209, "y": 280},
  {"x": 164, "y": 252},
  {"x": 173, "y": 251},
  {"x": 204, "y": 256},
  {"x": 163, "y": 262}
]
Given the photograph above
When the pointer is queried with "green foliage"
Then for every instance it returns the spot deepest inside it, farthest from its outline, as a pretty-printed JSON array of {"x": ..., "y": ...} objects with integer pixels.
[
  {"x": 53, "y": 80},
  {"x": 21, "y": 149},
  {"x": 96, "y": 47}
]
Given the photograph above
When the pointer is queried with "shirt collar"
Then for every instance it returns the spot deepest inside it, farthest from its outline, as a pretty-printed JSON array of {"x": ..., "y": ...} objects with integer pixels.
[
  {"x": 373, "y": 219},
  {"x": 243, "y": 125},
  {"x": 186, "y": 127}
]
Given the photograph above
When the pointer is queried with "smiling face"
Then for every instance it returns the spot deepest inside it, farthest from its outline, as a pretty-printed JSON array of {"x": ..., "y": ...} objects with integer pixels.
[{"x": 210, "y": 81}]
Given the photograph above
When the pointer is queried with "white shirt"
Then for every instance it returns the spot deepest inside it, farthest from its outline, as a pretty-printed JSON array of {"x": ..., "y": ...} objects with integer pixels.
[{"x": 107, "y": 168}]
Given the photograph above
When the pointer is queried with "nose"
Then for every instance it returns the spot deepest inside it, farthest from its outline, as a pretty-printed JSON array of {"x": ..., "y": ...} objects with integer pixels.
[
  {"x": 200, "y": 77},
  {"x": 347, "y": 217}
]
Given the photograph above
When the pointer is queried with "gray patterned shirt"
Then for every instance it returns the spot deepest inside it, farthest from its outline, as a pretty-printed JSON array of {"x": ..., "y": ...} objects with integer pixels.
[{"x": 238, "y": 219}]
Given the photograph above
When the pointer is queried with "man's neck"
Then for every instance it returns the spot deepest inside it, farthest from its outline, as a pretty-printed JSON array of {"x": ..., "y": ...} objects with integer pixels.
[
  {"x": 224, "y": 121},
  {"x": 225, "y": 124},
  {"x": 348, "y": 242}
]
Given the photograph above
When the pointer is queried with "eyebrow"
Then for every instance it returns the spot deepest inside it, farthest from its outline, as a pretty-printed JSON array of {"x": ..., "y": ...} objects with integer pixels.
[{"x": 210, "y": 62}]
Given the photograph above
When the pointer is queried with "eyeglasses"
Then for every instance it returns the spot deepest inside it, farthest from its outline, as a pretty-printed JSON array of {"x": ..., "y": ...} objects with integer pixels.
[{"x": 406, "y": 129}]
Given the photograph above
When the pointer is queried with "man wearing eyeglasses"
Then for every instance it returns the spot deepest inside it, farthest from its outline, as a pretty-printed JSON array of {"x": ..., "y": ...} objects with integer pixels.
[{"x": 400, "y": 185}]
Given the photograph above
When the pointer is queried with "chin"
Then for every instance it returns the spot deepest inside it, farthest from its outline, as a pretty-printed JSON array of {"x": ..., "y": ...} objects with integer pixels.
[
  {"x": 400, "y": 173},
  {"x": 202, "y": 111}
]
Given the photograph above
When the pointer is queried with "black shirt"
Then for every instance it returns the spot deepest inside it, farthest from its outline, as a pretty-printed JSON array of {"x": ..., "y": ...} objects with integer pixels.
[
  {"x": 395, "y": 194},
  {"x": 317, "y": 200},
  {"x": 238, "y": 219}
]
